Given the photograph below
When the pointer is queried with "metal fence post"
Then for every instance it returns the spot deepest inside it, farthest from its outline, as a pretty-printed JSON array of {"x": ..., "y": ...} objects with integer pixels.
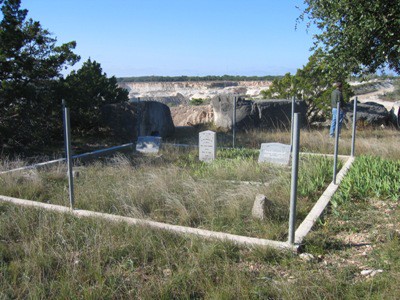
[
  {"x": 63, "y": 104},
  {"x": 234, "y": 123},
  {"x": 295, "y": 171},
  {"x": 335, "y": 154},
  {"x": 291, "y": 123},
  {"x": 353, "y": 137},
  {"x": 67, "y": 138},
  {"x": 139, "y": 116}
]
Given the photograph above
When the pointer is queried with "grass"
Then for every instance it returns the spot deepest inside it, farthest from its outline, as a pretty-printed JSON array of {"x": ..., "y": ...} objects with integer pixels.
[
  {"x": 52, "y": 256},
  {"x": 48, "y": 256},
  {"x": 181, "y": 190},
  {"x": 369, "y": 141},
  {"x": 372, "y": 177}
]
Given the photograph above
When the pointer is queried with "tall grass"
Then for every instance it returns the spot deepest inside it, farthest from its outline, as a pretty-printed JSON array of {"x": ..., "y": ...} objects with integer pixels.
[
  {"x": 45, "y": 255},
  {"x": 217, "y": 196},
  {"x": 380, "y": 142},
  {"x": 48, "y": 256}
]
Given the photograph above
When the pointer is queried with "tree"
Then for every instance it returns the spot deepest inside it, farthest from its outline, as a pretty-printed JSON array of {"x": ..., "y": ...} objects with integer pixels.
[
  {"x": 361, "y": 36},
  {"x": 86, "y": 91},
  {"x": 312, "y": 84},
  {"x": 30, "y": 66},
  {"x": 283, "y": 88}
]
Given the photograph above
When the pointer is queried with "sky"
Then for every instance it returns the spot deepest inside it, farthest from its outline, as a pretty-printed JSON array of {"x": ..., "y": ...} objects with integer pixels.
[{"x": 180, "y": 37}]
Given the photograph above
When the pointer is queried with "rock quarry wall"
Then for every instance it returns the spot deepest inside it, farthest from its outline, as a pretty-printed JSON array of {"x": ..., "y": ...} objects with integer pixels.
[
  {"x": 184, "y": 91},
  {"x": 268, "y": 114},
  {"x": 178, "y": 94},
  {"x": 192, "y": 115}
]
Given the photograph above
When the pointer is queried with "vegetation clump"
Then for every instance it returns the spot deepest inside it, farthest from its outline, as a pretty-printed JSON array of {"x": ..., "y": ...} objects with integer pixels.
[
  {"x": 32, "y": 85},
  {"x": 197, "y": 101}
]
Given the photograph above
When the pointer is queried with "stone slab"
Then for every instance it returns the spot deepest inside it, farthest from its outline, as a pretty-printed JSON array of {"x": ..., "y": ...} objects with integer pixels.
[
  {"x": 275, "y": 153},
  {"x": 207, "y": 145}
]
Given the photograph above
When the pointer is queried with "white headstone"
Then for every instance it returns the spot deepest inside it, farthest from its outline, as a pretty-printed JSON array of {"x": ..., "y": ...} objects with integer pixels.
[
  {"x": 275, "y": 153},
  {"x": 207, "y": 145},
  {"x": 148, "y": 144}
]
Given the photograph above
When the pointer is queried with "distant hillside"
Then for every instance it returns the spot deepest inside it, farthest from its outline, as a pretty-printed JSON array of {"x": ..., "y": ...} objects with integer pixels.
[
  {"x": 195, "y": 78},
  {"x": 176, "y": 93}
]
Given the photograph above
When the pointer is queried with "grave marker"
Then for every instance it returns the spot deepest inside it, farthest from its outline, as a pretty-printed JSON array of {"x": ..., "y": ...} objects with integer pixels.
[
  {"x": 275, "y": 153},
  {"x": 207, "y": 145},
  {"x": 148, "y": 144}
]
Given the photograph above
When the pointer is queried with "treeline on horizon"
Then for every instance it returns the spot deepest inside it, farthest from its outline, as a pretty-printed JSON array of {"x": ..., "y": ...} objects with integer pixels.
[{"x": 197, "y": 78}]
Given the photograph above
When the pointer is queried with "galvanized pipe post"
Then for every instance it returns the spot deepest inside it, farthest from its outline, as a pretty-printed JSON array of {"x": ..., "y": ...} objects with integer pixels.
[
  {"x": 353, "y": 137},
  {"x": 291, "y": 122},
  {"x": 67, "y": 138},
  {"x": 295, "y": 171},
  {"x": 335, "y": 154},
  {"x": 139, "y": 116},
  {"x": 63, "y": 104},
  {"x": 234, "y": 123}
]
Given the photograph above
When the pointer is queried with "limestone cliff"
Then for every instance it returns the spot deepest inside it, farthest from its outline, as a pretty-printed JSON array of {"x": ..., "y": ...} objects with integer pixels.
[
  {"x": 184, "y": 115},
  {"x": 189, "y": 90}
]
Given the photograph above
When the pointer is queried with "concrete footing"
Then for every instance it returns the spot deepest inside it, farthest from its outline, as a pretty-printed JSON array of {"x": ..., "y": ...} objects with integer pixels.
[
  {"x": 207, "y": 234},
  {"x": 321, "y": 204}
]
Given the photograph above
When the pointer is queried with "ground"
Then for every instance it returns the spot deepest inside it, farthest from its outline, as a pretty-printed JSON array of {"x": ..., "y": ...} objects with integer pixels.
[
  {"x": 376, "y": 96},
  {"x": 356, "y": 238}
]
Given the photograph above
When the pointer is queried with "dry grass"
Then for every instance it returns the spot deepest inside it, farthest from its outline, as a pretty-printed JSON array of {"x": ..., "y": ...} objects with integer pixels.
[
  {"x": 379, "y": 142},
  {"x": 48, "y": 256},
  {"x": 383, "y": 142},
  {"x": 174, "y": 187},
  {"x": 161, "y": 191}
]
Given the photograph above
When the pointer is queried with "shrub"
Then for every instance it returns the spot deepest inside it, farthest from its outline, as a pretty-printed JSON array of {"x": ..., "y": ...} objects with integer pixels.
[{"x": 196, "y": 101}]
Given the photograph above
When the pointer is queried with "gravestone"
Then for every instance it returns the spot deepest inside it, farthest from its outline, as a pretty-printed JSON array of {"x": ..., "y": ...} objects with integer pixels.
[
  {"x": 275, "y": 153},
  {"x": 260, "y": 207},
  {"x": 148, "y": 144},
  {"x": 207, "y": 145}
]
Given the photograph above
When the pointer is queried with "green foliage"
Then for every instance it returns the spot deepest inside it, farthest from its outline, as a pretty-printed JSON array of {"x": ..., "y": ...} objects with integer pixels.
[
  {"x": 283, "y": 88},
  {"x": 30, "y": 64},
  {"x": 196, "y": 101},
  {"x": 357, "y": 35},
  {"x": 315, "y": 173},
  {"x": 312, "y": 84},
  {"x": 370, "y": 177},
  {"x": 86, "y": 91},
  {"x": 32, "y": 86}
]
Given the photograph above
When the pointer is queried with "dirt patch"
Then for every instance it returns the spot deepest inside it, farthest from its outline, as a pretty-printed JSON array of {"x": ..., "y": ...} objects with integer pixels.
[{"x": 358, "y": 246}]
